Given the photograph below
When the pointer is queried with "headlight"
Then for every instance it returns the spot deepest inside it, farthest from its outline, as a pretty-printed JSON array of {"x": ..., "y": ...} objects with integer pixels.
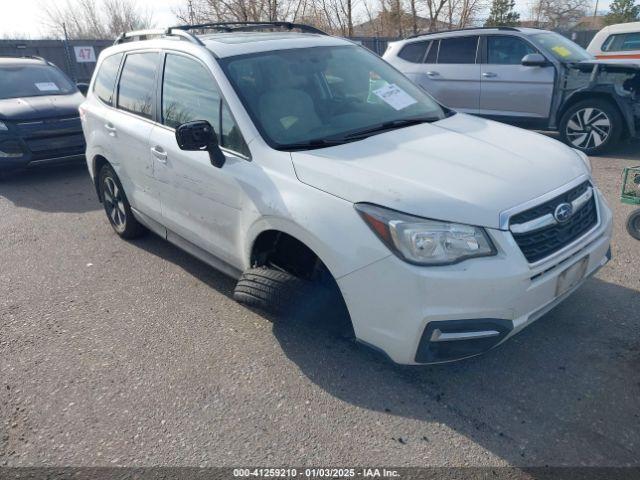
[
  {"x": 3, "y": 126},
  {"x": 585, "y": 158},
  {"x": 426, "y": 242}
]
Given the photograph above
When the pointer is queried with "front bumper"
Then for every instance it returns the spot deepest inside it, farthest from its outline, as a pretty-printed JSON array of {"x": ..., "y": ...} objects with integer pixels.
[
  {"x": 397, "y": 307},
  {"x": 39, "y": 143}
]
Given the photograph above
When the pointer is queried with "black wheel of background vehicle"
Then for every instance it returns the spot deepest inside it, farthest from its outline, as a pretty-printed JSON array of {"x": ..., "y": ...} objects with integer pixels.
[
  {"x": 633, "y": 224},
  {"x": 592, "y": 126},
  {"x": 283, "y": 294},
  {"x": 117, "y": 206}
]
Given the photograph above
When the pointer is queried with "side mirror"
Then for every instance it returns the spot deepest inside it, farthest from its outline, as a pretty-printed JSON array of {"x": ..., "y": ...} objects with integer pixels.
[
  {"x": 534, "y": 60},
  {"x": 199, "y": 136},
  {"x": 83, "y": 87}
]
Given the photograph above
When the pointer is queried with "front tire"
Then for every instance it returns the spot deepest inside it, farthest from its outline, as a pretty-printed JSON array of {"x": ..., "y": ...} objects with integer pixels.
[
  {"x": 592, "y": 126},
  {"x": 116, "y": 205},
  {"x": 633, "y": 224},
  {"x": 293, "y": 298}
]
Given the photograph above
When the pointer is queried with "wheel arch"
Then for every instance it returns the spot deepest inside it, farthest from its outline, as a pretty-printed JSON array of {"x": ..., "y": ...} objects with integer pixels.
[
  {"x": 97, "y": 162},
  {"x": 606, "y": 94},
  {"x": 265, "y": 231}
]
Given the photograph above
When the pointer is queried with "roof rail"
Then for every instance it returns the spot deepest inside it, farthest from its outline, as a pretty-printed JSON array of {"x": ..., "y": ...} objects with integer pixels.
[
  {"x": 512, "y": 29},
  {"x": 248, "y": 26},
  {"x": 160, "y": 32}
]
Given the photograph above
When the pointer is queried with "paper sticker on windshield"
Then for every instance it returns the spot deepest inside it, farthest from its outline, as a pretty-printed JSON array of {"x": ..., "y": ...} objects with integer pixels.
[
  {"x": 562, "y": 51},
  {"x": 394, "y": 96},
  {"x": 47, "y": 87}
]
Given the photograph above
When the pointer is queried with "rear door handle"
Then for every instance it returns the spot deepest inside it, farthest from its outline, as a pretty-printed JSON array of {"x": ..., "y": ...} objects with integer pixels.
[
  {"x": 432, "y": 74},
  {"x": 159, "y": 153},
  {"x": 111, "y": 129},
  {"x": 489, "y": 75}
]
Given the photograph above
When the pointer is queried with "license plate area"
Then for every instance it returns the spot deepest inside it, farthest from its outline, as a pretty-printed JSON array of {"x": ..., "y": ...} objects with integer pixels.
[{"x": 572, "y": 276}]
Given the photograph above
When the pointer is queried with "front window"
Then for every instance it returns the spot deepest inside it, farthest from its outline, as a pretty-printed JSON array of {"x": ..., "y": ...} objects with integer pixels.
[
  {"x": 315, "y": 97},
  {"x": 33, "y": 81},
  {"x": 507, "y": 50},
  {"x": 561, "y": 47}
]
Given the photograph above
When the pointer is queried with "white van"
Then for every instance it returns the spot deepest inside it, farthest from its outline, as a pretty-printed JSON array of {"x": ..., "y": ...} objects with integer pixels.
[
  {"x": 621, "y": 41},
  {"x": 313, "y": 172}
]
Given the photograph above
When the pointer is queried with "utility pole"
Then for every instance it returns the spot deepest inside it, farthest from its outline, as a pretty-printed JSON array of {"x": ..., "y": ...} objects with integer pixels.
[
  {"x": 595, "y": 11},
  {"x": 67, "y": 50},
  {"x": 191, "y": 13}
]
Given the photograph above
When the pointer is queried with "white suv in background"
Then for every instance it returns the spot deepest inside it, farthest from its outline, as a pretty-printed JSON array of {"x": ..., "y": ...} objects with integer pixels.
[{"x": 319, "y": 176}]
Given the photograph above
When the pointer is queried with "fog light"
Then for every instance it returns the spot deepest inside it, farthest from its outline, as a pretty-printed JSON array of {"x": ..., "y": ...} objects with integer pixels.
[{"x": 448, "y": 340}]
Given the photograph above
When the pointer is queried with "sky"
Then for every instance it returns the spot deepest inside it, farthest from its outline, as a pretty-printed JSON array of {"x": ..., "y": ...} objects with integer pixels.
[{"x": 24, "y": 17}]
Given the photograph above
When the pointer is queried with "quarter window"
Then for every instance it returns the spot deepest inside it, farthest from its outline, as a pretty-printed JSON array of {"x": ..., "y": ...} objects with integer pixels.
[
  {"x": 507, "y": 50},
  {"x": 460, "y": 50},
  {"x": 189, "y": 93},
  {"x": 137, "y": 84},
  {"x": 106, "y": 78},
  {"x": 414, "y": 52}
]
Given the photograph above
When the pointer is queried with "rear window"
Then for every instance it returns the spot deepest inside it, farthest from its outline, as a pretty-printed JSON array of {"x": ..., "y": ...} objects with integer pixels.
[
  {"x": 137, "y": 83},
  {"x": 105, "y": 81},
  {"x": 414, "y": 52},
  {"x": 33, "y": 81},
  {"x": 459, "y": 50},
  {"x": 432, "y": 56}
]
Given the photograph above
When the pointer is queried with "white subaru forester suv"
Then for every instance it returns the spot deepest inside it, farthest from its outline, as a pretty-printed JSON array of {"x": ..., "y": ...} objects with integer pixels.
[{"x": 317, "y": 175}]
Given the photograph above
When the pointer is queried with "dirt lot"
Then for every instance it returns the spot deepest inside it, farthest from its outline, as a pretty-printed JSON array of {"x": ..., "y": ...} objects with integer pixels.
[{"x": 116, "y": 353}]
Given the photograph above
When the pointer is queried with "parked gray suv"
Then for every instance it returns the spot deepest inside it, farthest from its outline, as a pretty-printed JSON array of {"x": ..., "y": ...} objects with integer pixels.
[{"x": 527, "y": 77}]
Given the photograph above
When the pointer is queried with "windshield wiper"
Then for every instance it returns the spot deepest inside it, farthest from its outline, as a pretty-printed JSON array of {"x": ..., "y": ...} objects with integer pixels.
[
  {"x": 312, "y": 144},
  {"x": 390, "y": 125}
]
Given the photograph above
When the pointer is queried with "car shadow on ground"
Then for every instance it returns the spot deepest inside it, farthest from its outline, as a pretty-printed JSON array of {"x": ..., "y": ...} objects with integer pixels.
[
  {"x": 546, "y": 397},
  {"x": 63, "y": 188},
  {"x": 549, "y": 387}
]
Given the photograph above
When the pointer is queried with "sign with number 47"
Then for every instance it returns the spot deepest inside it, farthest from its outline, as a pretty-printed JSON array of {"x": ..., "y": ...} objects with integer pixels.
[{"x": 85, "y": 54}]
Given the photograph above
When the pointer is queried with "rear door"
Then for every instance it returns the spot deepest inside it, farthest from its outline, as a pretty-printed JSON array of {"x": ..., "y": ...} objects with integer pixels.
[
  {"x": 451, "y": 72},
  {"x": 130, "y": 126},
  {"x": 509, "y": 89}
]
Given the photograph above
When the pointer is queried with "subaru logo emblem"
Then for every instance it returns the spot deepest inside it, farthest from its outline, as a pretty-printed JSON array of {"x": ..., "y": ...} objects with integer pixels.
[{"x": 563, "y": 212}]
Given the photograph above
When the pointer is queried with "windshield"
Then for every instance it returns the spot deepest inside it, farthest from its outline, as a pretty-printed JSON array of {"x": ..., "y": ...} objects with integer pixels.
[
  {"x": 32, "y": 81},
  {"x": 325, "y": 95},
  {"x": 562, "y": 48}
]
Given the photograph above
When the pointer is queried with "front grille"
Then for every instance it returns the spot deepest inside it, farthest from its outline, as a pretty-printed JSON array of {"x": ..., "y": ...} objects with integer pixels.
[{"x": 541, "y": 243}]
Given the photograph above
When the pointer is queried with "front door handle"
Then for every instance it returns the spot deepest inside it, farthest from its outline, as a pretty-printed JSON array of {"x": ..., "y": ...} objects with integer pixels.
[
  {"x": 432, "y": 74},
  {"x": 489, "y": 75},
  {"x": 159, "y": 153}
]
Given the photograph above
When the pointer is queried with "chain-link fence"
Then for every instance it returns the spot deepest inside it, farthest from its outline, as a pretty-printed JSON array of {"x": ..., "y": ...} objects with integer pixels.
[{"x": 77, "y": 57}]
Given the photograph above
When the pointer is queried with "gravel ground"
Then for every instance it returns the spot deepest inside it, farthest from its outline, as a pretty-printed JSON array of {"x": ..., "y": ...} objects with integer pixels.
[{"x": 117, "y": 353}]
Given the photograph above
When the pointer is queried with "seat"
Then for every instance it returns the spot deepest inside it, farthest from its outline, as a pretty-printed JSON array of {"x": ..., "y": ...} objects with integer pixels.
[{"x": 288, "y": 114}]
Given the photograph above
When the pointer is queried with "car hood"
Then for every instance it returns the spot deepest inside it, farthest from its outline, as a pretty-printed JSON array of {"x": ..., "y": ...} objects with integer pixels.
[
  {"x": 462, "y": 169},
  {"x": 35, "y": 108}
]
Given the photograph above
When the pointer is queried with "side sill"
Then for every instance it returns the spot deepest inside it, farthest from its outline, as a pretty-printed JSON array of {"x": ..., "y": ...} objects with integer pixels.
[{"x": 187, "y": 246}]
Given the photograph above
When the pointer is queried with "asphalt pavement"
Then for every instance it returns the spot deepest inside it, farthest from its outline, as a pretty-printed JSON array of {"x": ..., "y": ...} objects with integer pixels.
[{"x": 134, "y": 353}]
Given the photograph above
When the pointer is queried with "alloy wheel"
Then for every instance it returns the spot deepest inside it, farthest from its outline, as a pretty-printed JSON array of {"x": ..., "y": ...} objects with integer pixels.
[
  {"x": 588, "y": 128},
  {"x": 114, "y": 204}
]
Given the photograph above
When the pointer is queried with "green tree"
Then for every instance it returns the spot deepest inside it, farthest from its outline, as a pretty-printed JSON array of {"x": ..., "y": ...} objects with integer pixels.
[
  {"x": 623, "y": 11},
  {"x": 502, "y": 14}
]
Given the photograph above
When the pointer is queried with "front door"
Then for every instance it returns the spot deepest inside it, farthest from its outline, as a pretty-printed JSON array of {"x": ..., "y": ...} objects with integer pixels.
[
  {"x": 508, "y": 88},
  {"x": 200, "y": 202}
]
